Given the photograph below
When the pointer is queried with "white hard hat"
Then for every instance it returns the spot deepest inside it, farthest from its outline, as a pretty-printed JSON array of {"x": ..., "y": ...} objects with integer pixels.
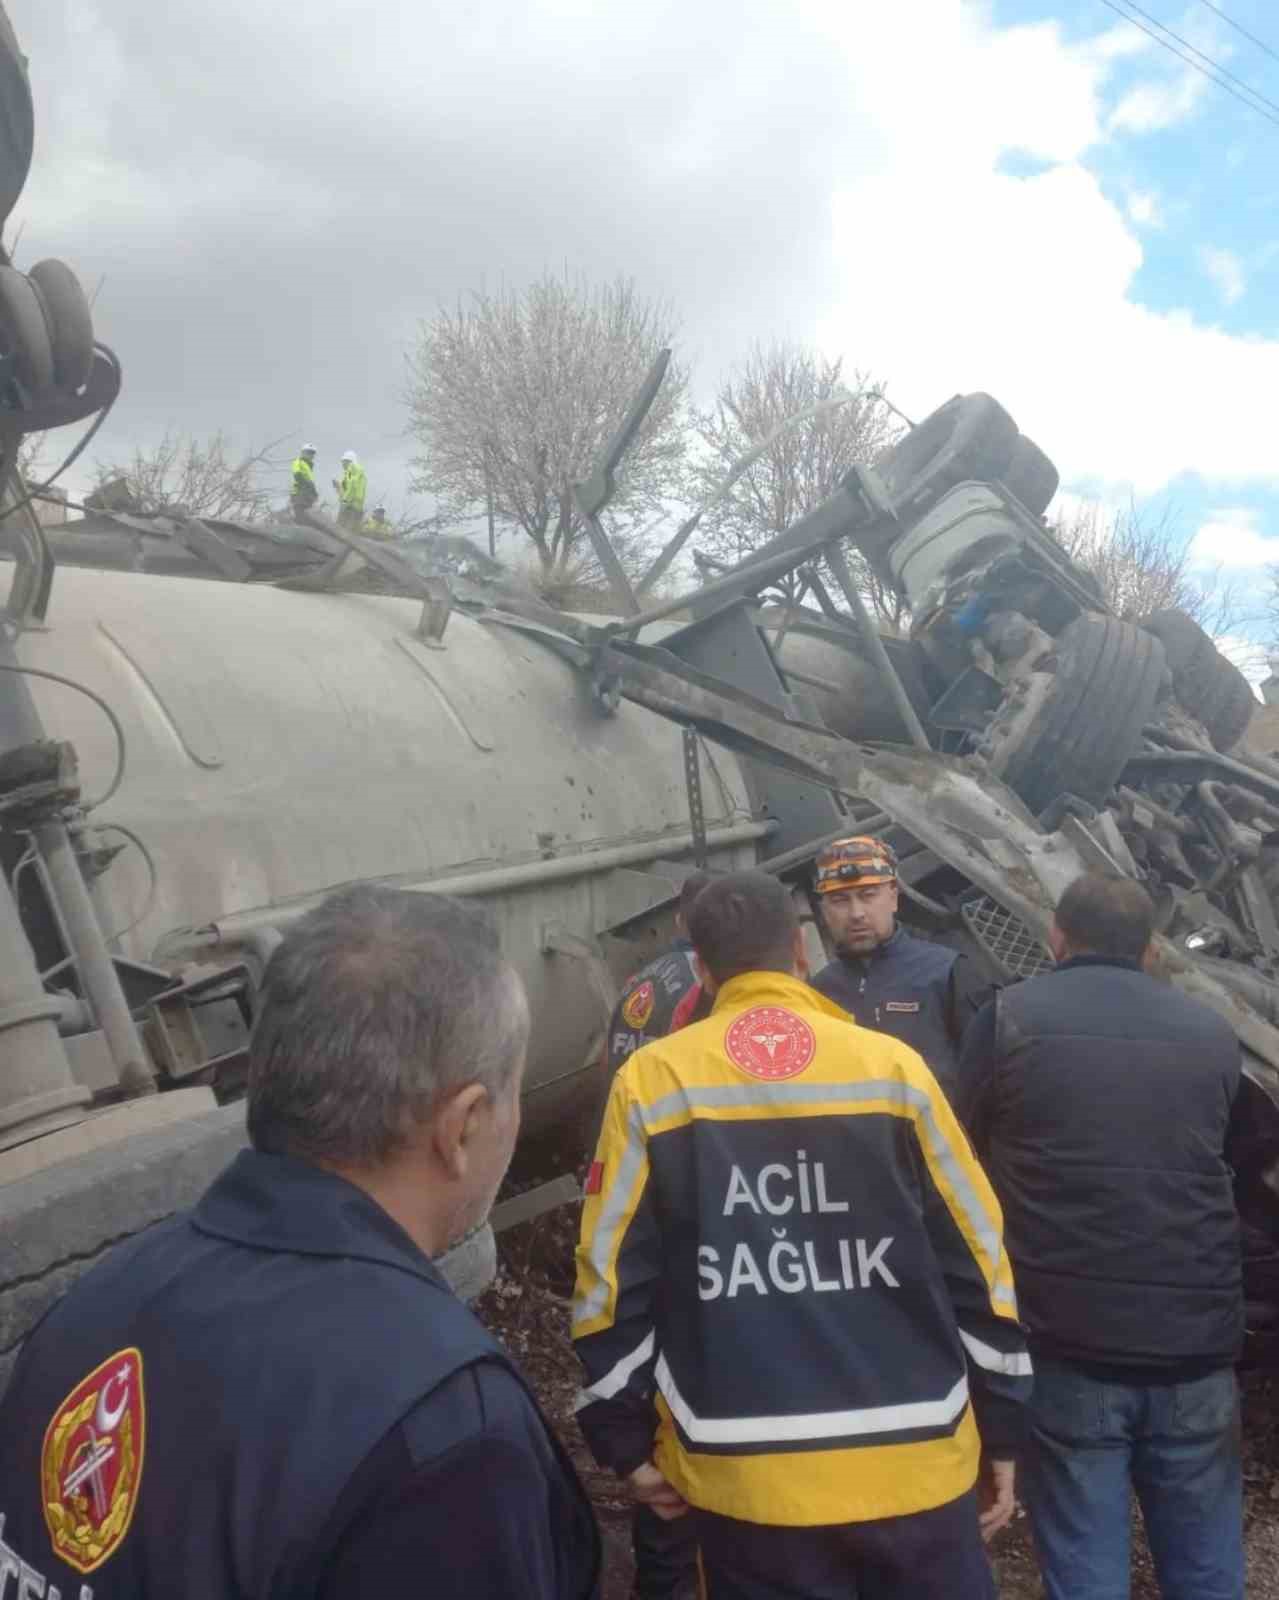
[
  {"x": 348, "y": 455},
  {"x": 307, "y": 450}
]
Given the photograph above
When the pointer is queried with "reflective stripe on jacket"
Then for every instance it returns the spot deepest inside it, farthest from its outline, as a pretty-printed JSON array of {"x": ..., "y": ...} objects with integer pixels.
[
  {"x": 355, "y": 483},
  {"x": 787, "y": 1235}
]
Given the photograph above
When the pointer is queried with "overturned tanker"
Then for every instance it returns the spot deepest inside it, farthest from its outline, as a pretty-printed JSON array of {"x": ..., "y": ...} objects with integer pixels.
[{"x": 205, "y": 726}]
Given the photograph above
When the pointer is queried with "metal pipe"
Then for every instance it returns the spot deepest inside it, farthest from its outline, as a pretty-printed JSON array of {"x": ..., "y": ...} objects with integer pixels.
[
  {"x": 833, "y": 519},
  {"x": 875, "y": 645},
  {"x": 97, "y": 971},
  {"x": 241, "y": 925},
  {"x": 38, "y": 1091}
]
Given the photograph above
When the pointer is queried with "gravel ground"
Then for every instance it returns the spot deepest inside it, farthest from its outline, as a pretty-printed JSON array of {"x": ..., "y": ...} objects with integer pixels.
[{"x": 528, "y": 1309}]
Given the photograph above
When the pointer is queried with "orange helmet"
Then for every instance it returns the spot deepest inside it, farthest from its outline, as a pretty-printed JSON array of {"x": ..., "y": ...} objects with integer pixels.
[{"x": 852, "y": 863}]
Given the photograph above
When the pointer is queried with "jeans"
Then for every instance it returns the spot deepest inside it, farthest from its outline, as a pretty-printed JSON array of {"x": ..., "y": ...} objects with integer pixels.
[{"x": 1177, "y": 1445}]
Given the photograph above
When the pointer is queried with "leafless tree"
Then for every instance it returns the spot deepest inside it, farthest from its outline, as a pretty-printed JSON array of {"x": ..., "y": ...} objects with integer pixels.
[
  {"x": 204, "y": 478},
  {"x": 31, "y": 453},
  {"x": 801, "y": 466},
  {"x": 1144, "y": 564},
  {"x": 512, "y": 397}
]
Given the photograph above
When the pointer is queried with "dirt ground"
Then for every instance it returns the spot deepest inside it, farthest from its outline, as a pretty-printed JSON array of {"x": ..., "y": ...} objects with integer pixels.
[{"x": 528, "y": 1309}]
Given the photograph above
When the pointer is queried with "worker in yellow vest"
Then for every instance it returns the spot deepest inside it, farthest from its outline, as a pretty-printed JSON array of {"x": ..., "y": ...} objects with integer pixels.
[
  {"x": 303, "y": 494},
  {"x": 377, "y": 526},
  {"x": 351, "y": 487}
]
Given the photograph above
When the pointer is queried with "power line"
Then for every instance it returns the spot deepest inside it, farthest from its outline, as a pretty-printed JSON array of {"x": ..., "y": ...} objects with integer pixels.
[
  {"x": 1239, "y": 28},
  {"x": 1207, "y": 60},
  {"x": 1258, "y": 104}
]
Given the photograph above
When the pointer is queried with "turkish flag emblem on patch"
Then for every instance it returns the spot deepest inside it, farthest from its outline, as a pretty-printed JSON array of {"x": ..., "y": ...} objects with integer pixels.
[
  {"x": 594, "y": 1178},
  {"x": 91, "y": 1463},
  {"x": 770, "y": 1042}
]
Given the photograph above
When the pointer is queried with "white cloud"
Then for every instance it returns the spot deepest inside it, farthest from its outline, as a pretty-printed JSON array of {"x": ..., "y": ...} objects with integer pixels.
[
  {"x": 1233, "y": 538},
  {"x": 1144, "y": 209},
  {"x": 955, "y": 275},
  {"x": 1226, "y": 271},
  {"x": 1151, "y": 107}
]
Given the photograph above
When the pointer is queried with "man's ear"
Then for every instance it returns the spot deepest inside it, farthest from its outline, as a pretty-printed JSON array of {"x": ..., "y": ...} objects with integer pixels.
[
  {"x": 455, "y": 1125},
  {"x": 799, "y": 954}
]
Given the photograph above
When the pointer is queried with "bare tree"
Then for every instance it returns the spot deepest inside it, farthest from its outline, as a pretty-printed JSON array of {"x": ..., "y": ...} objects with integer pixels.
[
  {"x": 843, "y": 425},
  {"x": 513, "y": 396},
  {"x": 1142, "y": 565},
  {"x": 203, "y": 478}
]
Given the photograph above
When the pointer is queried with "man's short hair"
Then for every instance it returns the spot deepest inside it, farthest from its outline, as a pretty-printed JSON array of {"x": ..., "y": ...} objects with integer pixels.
[
  {"x": 743, "y": 922},
  {"x": 1107, "y": 916},
  {"x": 375, "y": 1006},
  {"x": 689, "y": 890}
]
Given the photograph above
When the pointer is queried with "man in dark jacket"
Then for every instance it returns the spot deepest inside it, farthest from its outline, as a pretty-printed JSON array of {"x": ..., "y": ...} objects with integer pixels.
[
  {"x": 277, "y": 1395},
  {"x": 786, "y": 1236},
  {"x": 661, "y": 997},
  {"x": 922, "y": 993},
  {"x": 1100, "y": 1102},
  {"x": 664, "y": 995}
]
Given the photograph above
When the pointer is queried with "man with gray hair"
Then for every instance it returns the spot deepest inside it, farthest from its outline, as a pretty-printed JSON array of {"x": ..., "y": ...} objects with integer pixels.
[{"x": 277, "y": 1394}]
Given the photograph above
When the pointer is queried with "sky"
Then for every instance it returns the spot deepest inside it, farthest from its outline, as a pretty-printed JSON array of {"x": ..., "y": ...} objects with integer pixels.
[{"x": 1031, "y": 199}]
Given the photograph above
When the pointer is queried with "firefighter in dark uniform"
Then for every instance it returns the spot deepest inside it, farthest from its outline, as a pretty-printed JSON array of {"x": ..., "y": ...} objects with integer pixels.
[
  {"x": 277, "y": 1395},
  {"x": 786, "y": 1235},
  {"x": 664, "y": 995},
  {"x": 660, "y": 998},
  {"x": 922, "y": 993}
]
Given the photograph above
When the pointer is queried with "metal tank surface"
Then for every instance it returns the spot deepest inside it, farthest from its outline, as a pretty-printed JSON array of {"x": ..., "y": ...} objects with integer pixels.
[{"x": 282, "y": 744}]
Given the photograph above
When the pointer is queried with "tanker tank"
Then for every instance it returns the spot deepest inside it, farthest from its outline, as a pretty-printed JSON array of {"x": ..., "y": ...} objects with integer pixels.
[{"x": 281, "y": 744}]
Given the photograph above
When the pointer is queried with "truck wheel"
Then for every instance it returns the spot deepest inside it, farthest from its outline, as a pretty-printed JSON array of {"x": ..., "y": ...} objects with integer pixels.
[
  {"x": 1031, "y": 476},
  {"x": 971, "y": 437},
  {"x": 1210, "y": 688},
  {"x": 1073, "y": 734}
]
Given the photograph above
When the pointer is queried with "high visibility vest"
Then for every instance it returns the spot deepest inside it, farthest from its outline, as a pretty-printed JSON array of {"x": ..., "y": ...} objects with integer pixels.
[
  {"x": 355, "y": 483},
  {"x": 378, "y": 528},
  {"x": 303, "y": 475}
]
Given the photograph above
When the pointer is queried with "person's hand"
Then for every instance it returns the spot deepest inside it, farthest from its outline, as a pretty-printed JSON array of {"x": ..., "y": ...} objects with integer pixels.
[
  {"x": 995, "y": 1497},
  {"x": 651, "y": 1489}
]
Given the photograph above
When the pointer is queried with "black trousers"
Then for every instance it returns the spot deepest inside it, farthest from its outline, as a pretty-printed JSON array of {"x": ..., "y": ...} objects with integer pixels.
[
  {"x": 665, "y": 1556},
  {"x": 933, "y": 1555}
]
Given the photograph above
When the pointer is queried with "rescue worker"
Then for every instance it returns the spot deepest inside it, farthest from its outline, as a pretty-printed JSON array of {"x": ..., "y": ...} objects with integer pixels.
[
  {"x": 1103, "y": 1102},
  {"x": 664, "y": 995},
  {"x": 304, "y": 493},
  {"x": 277, "y": 1393},
  {"x": 660, "y": 998},
  {"x": 786, "y": 1235},
  {"x": 352, "y": 486},
  {"x": 922, "y": 993},
  {"x": 377, "y": 526}
]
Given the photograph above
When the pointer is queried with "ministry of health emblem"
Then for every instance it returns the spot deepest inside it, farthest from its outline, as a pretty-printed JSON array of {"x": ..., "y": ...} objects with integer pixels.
[
  {"x": 770, "y": 1042},
  {"x": 91, "y": 1464}
]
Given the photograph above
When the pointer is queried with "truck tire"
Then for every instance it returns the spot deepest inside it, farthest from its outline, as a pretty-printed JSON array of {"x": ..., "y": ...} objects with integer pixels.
[
  {"x": 1031, "y": 476},
  {"x": 1075, "y": 737},
  {"x": 1210, "y": 688},
  {"x": 970, "y": 438}
]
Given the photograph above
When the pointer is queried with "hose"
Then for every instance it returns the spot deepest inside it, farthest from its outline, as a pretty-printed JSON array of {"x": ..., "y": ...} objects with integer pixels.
[{"x": 121, "y": 743}]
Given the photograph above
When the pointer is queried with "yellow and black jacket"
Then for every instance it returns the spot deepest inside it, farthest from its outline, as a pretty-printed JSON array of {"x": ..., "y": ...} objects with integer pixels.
[{"x": 787, "y": 1236}]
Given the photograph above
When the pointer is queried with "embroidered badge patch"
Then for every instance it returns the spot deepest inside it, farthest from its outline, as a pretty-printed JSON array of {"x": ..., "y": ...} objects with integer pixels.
[
  {"x": 637, "y": 1008},
  {"x": 770, "y": 1042},
  {"x": 91, "y": 1463}
]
